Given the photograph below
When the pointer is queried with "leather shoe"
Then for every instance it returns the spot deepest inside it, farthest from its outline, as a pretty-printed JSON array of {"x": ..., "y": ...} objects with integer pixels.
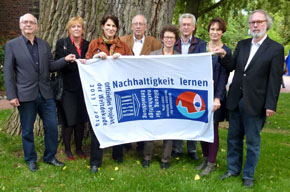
[
  {"x": 175, "y": 154},
  {"x": 146, "y": 163},
  {"x": 55, "y": 162},
  {"x": 193, "y": 156},
  {"x": 164, "y": 165},
  {"x": 32, "y": 166},
  {"x": 248, "y": 183},
  {"x": 94, "y": 169},
  {"x": 227, "y": 175}
]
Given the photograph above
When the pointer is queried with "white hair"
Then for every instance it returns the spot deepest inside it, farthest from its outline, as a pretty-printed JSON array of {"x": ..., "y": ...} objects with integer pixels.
[
  {"x": 140, "y": 15},
  {"x": 187, "y": 15},
  {"x": 21, "y": 18},
  {"x": 268, "y": 18}
]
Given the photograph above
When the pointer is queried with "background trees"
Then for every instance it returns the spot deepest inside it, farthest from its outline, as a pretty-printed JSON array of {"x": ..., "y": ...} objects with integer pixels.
[{"x": 55, "y": 14}]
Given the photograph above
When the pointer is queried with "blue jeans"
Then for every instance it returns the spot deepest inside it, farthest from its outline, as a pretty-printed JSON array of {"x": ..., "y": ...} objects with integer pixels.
[
  {"x": 47, "y": 112},
  {"x": 240, "y": 125}
]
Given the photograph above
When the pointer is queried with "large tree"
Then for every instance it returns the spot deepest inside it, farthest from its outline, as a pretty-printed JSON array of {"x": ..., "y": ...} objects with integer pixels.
[{"x": 55, "y": 14}]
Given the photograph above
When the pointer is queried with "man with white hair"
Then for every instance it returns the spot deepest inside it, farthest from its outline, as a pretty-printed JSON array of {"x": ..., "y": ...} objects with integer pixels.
[
  {"x": 140, "y": 43},
  {"x": 186, "y": 44},
  {"x": 28, "y": 61},
  {"x": 253, "y": 94}
]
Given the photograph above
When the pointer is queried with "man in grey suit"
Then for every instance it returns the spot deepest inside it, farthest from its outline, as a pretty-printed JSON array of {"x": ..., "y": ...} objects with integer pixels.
[
  {"x": 28, "y": 61},
  {"x": 253, "y": 95}
]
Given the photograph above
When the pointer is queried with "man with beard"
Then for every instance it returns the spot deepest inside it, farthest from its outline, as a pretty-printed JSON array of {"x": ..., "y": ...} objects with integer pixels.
[{"x": 253, "y": 94}]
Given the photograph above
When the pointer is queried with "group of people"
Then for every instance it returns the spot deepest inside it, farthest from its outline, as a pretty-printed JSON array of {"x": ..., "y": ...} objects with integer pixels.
[{"x": 253, "y": 94}]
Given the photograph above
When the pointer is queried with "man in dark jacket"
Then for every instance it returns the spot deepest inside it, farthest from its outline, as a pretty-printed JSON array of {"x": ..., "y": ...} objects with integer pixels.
[
  {"x": 253, "y": 95},
  {"x": 28, "y": 61},
  {"x": 186, "y": 44}
]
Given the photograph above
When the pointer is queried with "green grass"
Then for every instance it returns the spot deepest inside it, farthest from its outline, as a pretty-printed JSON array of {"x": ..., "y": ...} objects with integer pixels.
[{"x": 272, "y": 173}]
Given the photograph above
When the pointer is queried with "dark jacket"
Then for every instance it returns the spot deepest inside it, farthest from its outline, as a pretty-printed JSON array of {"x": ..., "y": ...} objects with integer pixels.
[
  {"x": 260, "y": 84},
  {"x": 23, "y": 78},
  {"x": 193, "y": 44},
  {"x": 71, "y": 77}
]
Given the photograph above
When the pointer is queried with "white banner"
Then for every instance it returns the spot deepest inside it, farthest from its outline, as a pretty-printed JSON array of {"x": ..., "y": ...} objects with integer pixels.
[{"x": 139, "y": 98}]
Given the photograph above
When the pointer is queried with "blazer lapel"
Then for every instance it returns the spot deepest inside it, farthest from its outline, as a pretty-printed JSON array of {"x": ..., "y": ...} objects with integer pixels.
[
  {"x": 24, "y": 48},
  {"x": 247, "y": 49},
  {"x": 41, "y": 52},
  {"x": 145, "y": 47},
  {"x": 259, "y": 53}
]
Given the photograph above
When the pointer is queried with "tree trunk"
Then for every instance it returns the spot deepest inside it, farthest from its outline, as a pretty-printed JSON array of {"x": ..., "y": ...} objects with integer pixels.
[{"x": 55, "y": 14}]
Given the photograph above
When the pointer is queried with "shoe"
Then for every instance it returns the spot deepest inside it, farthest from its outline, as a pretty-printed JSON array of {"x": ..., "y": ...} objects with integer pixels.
[
  {"x": 175, "y": 154},
  {"x": 210, "y": 167},
  {"x": 193, "y": 156},
  {"x": 146, "y": 163},
  {"x": 248, "y": 183},
  {"x": 203, "y": 164},
  {"x": 55, "y": 162},
  {"x": 81, "y": 154},
  {"x": 69, "y": 155},
  {"x": 32, "y": 166},
  {"x": 164, "y": 165},
  {"x": 94, "y": 169},
  {"x": 227, "y": 175}
]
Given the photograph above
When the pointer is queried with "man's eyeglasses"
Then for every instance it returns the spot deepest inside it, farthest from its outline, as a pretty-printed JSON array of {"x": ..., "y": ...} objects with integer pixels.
[
  {"x": 28, "y": 22},
  {"x": 258, "y": 22},
  {"x": 140, "y": 24}
]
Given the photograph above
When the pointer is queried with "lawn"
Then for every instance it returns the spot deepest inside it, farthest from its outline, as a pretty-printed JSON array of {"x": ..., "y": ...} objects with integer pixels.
[{"x": 272, "y": 173}]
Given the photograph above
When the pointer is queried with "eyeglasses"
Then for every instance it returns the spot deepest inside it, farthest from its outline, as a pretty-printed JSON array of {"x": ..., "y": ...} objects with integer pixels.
[
  {"x": 140, "y": 24},
  {"x": 258, "y": 22},
  {"x": 30, "y": 22},
  {"x": 167, "y": 38}
]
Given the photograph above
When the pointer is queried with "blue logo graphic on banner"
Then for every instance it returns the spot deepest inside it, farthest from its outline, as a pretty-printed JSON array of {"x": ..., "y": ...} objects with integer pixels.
[{"x": 148, "y": 104}]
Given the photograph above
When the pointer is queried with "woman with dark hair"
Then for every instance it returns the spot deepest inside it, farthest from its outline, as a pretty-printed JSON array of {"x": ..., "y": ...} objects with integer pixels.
[
  {"x": 168, "y": 35},
  {"x": 71, "y": 109},
  {"x": 216, "y": 29},
  {"x": 108, "y": 44}
]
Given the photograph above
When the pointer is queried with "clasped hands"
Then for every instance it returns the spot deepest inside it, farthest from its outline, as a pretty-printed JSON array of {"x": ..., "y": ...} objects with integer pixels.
[{"x": 103, "y": 55}]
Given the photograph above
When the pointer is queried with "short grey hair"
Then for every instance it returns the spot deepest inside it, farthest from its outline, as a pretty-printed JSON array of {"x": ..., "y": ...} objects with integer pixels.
[
  {"x": 187, "y": 15},
  {"x": 21, "y": 18},
  {"x": 268, "y": 18},
  {"x": 140, "y": 15}
]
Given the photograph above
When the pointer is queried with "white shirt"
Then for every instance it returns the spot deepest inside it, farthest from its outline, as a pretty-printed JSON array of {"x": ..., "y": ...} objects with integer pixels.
[
  {"x": 185, "y": 46},
  {"x": 254, "y": 49},
  {"x": 138, "y": 44}
]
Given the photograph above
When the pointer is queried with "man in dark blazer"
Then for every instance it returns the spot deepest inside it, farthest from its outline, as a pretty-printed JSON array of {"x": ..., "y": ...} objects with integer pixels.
[
  {"x": 186, "y": 44},
  {"x": 253, "y": 94},
  {"x": 27, "y": 64}
]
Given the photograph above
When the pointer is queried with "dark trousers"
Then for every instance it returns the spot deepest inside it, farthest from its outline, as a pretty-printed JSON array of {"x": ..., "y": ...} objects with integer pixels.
[
  {"x": 78, "y": 134},
  {"x": 240, "y": 125},
  {"x": 210, "y": 150},
  {"x": 46, "y": 109},
  {"x": 97, "y": 153}
]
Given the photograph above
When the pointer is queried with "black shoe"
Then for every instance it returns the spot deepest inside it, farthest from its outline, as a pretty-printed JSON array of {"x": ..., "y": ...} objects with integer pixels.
[
  {"x": 94, "y": 169},
  {"x": 175, "y": 154},
  {"x": 227, "y": 175},
  {"x": 32, "y": 166},
  {"x": 119, "y": 161},
  {"x": 146, "y": 163},
  {"x": 55, "y": 162},
  {"x": 164, "y": 165},
  {"x": 193, "y": 156},
  {"x": 248, "y": 183}
]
